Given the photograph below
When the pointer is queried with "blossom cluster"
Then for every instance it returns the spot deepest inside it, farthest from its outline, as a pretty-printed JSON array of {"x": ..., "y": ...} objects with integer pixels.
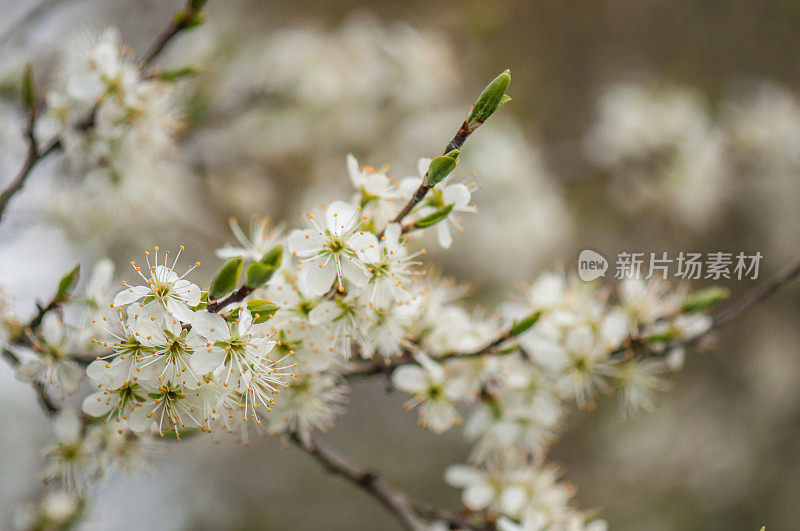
[
  {"x": 108, "y": 113},
  {"x": 346, "y": 295},
  {"x": 171, "y": 359}
]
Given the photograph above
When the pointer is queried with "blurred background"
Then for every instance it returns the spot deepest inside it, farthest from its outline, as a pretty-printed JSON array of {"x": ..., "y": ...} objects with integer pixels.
[{"x": 644, "y": 126}]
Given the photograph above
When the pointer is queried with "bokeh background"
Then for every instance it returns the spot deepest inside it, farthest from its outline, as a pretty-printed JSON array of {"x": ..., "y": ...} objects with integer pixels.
[{"x": 639, "y": 126}]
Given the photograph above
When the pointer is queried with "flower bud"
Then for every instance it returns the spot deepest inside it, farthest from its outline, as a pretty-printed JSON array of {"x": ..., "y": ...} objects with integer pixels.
[
  {"x": 704, "y": 299},
  {"x": 524, "y": 324},
  {"x": 176, "y": 74},
  {"x": 68, "y": 283},
  {"x": 440, "y": 167},
  {"x": 226, "y": 278},
  {"x": 28, "y": 88},
  {"x": 262, "y": 310},
  {"x": 492, "y": 97}
]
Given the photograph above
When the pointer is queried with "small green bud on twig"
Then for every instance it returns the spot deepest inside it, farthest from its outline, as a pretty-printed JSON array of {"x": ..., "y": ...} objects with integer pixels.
[
  {"x": 171, "y": 76},
  {"x": 704, "y": 299},
  {"x": 440, "y": 167},
  {"x": 68, "y": 283},
  {"x": 524, "y": 324},
  {"x": 28, "y": 89},
  {"x": 226, "y": 278},
  {"x": 433, "y": 219},
  {"x": 492, "y": 97},
  {"x": 258, "y": 273}
]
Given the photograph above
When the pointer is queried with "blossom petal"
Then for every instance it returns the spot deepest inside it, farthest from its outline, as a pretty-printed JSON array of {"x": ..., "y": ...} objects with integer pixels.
[
  {"x": 339, "y": 217},
  {"x": 443, "y": 235},
  {"x": 422, "y": 166},
  {"x": 138, "y": 420},
  {"x": 180, "y": 310},
  {"x": 461, "y": 475},
  {"x": 188, "y": 292},
  {"x": 131, "y": 294},
  {"x": 354, "y": 172},
  {"x": 457, "y": 195},
  {"x": 211, "y": 326},
  {"x": 393, "y": 232},
  {"x": 366, "y": 246},
  {"x": 353, "y": 271},
  {"x": 245, "y": 321},
  {"x": 323, "y": 312},
  {"x": 410, "y": 379},
  {"x": 165, "y": 275},
  {"x": 305, "y": 242},
  {"x": 96, "y": 404},
  {"x": 478, "y": 496},
  {"x": 409, "y": 185},
  {"x": 206, "y": 360},
  {"x": 318, "y": 278}
]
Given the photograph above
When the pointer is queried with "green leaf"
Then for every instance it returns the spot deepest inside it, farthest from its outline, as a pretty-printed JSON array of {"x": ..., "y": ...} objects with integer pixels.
[
  {"x": 524, "y": 324},
  {"x": 226, "y": 278},
  {"x": 492, "y": 97},
  {"x": 203, "y": 302},
  {"x": 663, "y": 336},
  {"x": 28, "y": 88},
  {"x": 258, "y": 273},
  {"x": 262, "y": 310},
  {"x": 433, "y": 219},
  {"x": 704, "y": 299},
  {"x": 440, "y": 167},
  {"x": 68, "y": 283},
  {"x": 273, "y": 257},
  {"x": 176, "y": 74}
]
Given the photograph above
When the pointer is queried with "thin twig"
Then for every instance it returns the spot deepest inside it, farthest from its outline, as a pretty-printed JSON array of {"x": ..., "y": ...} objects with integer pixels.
[
  {"x": 379, "y": 365},
  {"x": 237, "y": 296},
  {"x": 723, "y": 317},
  {"x": 371, "y": 367},
  {"x": 757, "y": 295},
  {"x": 458, "y": 140},
  {"x": 180, "y": 22},
  {"x": 399, "y": 503}
]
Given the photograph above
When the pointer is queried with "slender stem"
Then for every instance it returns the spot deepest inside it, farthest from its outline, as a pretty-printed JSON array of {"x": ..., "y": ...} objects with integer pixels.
[
  {"x": 458, "y": 140},
  {"x": 725, "y": 316},
  {"x": 757, "y": 295},
  {"x": 399, "y": 503},
  {"x": 378, "y": 365},
  {"x": 460, "y": 137},
  {"x": 419, "y": 194},
  {"x": 179, "y": 23}
]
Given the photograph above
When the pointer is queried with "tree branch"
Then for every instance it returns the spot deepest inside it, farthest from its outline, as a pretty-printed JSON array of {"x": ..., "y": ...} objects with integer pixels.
[
  {"x": 183, "y": 20},
  {"x": 458, "y": 140},
  {"x": 725, "y": 316},
  {"x": 399, "y": 503},
  {"x": 237, "y": 296}
]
